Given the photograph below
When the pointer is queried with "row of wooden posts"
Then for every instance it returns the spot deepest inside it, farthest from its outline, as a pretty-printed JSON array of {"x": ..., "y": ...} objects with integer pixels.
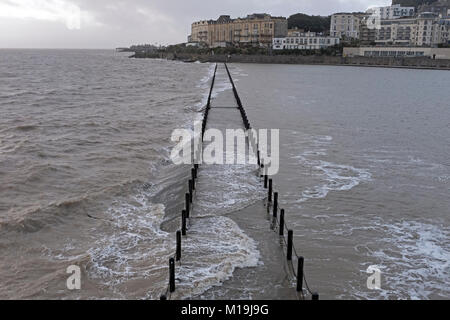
[
  {"x": 189, "y": 196},
  {"x": 268, "y": 184}
]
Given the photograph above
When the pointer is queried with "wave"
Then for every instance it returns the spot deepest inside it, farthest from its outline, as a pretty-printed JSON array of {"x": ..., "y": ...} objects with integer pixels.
[
  {"x": 34, "y": 218},
  {"x": 414, "y": 259},
  {"x": 337, "y": 177}
]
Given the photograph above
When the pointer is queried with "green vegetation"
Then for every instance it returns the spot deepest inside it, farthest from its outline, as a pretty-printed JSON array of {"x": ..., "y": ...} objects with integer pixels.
[
  {"x": 412, "y": 3},
  {"x": 309, "y": 23},
  {"x": 183, "y": 49}
]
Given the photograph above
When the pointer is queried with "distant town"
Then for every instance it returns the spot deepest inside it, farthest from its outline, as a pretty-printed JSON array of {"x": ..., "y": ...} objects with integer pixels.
[{"x": 419, "y": 30}]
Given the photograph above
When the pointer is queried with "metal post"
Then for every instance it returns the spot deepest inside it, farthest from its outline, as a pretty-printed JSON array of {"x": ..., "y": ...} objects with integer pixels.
[
  {"x": 315, "y": 296},
  {"x": 178, "y": 253},
  {"x": 171, "y": 275},
  {"x": 183, "y": 222},
  {"x": 281, "y": 222},
  {"x": 270, "y": 190},
  {"x": 300, "y": 274},
  {"x": 265, "y": 181},
  {"x": 289, "y": 245},
  {"x": 275, "y": 204},
  {"x": 193, "y": 178},
  {"x": 187, "y": 205}
]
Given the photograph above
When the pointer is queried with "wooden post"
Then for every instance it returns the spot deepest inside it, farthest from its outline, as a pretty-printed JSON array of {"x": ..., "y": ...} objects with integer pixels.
[
  {"x": 171, "y": 275},
  {"x": 190, "y": 190},
  {"x": 270, "y": 190},
  {"x": 275, "y": 204},
  {"x": 281, "y": 222},
  {"x": 183, "y": 222},
  {"x": 178, "y": 251},
  {"x": 300, "y": 274},
  {"x": 187, "y": 205},
  {"x": 289, "y": 245}
]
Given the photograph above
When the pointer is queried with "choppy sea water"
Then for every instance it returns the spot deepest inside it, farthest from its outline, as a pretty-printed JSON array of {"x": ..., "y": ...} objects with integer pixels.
[
  {"x": 86, "y": 177},
  {"x": 364, "y": 173}
]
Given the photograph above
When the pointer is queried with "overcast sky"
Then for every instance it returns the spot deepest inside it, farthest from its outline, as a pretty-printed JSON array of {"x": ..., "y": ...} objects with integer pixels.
[{"x": 115, "y": 23}]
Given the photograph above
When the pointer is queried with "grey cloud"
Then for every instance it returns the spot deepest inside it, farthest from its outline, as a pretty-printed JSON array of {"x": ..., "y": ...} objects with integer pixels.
[{"x": 119, "y": 23}]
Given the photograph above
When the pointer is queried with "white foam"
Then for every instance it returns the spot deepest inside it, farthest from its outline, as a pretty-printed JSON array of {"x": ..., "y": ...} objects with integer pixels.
[
  {"x": 237, "y": 186},
  {"x": 416, "y": 261},
  {"x": 135, "y": 248},
  {"x": 214, "y": 248},
  {"x": 335, "y": 177}
]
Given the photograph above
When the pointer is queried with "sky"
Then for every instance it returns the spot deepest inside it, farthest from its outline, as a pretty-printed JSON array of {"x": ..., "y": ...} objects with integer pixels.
[{"x": 107, "y": 24}]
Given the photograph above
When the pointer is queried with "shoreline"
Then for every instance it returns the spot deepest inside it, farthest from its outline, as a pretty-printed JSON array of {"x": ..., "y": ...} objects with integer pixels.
[{"x": 421, "y": 63}]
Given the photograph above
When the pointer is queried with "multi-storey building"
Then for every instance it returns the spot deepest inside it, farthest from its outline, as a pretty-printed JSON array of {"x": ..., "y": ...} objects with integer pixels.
[
  {"x": 396, "y": 32},
  {"x": 305, "y": 41},
  {"x": 255, "y": 29},
  {"x": 425, "y": 30},
  {"x": 345, "y": 25},
  {"x": 367, "y": 32}
]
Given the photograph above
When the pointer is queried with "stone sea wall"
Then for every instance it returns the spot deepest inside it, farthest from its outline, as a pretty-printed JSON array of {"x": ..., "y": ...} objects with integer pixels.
[{"x": 419, "y": 62}]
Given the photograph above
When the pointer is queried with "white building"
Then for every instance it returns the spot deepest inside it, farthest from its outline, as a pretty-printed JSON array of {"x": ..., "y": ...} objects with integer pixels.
[
  {"x": 393, "y": 12},
  {"x": 345, "y": 25},
  {"x": 432, "y": 30},
  {"x": 304, "y": 41}
]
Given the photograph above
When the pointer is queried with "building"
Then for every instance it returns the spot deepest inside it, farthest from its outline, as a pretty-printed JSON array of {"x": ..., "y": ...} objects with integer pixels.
[
  {"x": 253, "y": 30},
  {"x": 431, "y": 30},
  {"x": 367, "y": 33},
  {"x": 397, "y": 32},
  {"x": 346, "y": 25},
  {"x": 305, "y": 41},
  {"x": 399, "y": 52},
  {"x": 426, "y": 30},
  {"x": 393, "y": 12},
  {"x": 294, "y": 31}
]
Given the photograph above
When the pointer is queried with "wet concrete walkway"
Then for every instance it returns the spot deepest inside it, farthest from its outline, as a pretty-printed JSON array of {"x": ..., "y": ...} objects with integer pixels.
[{"x": 272, "y": 277}]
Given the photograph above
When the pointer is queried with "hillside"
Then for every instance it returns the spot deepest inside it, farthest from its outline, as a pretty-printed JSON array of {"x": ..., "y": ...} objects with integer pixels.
[
  {"x": 412, "y": 3},
  {"x": 309, "y": 23}
]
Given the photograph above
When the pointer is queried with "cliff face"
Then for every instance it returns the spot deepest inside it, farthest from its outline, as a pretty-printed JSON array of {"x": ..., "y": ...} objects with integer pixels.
[{"x": 412, "y": 3}]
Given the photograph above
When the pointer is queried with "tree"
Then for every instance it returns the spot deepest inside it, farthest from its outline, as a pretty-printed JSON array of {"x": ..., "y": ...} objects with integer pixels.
[{"x": 309, "y": 23}]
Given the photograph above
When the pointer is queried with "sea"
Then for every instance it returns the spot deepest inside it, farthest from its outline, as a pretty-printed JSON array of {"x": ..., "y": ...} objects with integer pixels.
[{"x": 86, "y": 176}]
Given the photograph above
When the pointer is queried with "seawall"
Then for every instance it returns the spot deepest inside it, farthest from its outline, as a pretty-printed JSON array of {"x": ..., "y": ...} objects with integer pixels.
[{"x": 387, "y": 62}]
